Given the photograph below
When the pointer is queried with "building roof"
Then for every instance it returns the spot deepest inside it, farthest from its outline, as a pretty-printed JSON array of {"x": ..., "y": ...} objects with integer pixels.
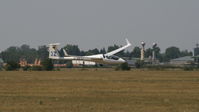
[
  {"x": 196, "y": 56},
  {"x": 185, "y": 58}
]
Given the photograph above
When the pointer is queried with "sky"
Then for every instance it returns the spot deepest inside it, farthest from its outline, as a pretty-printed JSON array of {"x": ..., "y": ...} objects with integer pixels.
[{"x": 99, "y": 23}]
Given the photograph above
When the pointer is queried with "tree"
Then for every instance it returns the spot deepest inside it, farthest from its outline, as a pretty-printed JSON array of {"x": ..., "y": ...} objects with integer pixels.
[
  {"x": 47, "y": 64},
  {"x": 11, "y": 54},
  {"x": 82, "y": 53},
  {"x": 148, "y": 52},
  {"x": 27, "y": 53},
  {"x": 185, "y": 53},
  {"x": 157, "y": 53},
  {"x": 136, "y": 52},
  {"x": 114, "y": 47},
  {"x": 172, "y": 53},
  {"x": 103, "y": 51},
  {"x": 42, "y": 52},
  {"x": 92, "y": 52},
  {"x": 25, "y": 47},
  {"x": 127, "y": 54},
  {"x": 12, "y": 65},
  {"x": 17, "y": 53},
  {"x": 72, "y": 49}
]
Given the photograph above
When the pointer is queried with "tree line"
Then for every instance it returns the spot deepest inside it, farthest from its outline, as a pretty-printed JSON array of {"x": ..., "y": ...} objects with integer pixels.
[{"x": 14, "y": 53}]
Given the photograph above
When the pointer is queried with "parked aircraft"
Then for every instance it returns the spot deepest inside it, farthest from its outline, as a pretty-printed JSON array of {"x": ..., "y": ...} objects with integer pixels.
[{"x": 108, "y": 58}]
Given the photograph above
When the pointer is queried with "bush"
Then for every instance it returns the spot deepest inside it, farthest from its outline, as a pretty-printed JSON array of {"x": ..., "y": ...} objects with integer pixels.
[
  {"x": 47, "y": 64},
  {"x": 11, "y": 66},
  {"x": 1, "y": 67},
  {"x": 156, "y": 67},
  {"x": 69, "y": 64},
  {"x": 198, "y": 66},
  {"x": 139, "y": 64},
  {"x": 161, "y": 67},
  {"x": 57, "y": 69},
  {"x": 123, "y": 66},
  {"x": 26, "y": 68},
  {"x": 188, "y": 68},
  {"x": 36, "y": 68}
]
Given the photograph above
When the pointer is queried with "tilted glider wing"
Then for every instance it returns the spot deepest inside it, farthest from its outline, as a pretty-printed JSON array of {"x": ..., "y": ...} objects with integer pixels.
[{"x": 120, "y": 49}]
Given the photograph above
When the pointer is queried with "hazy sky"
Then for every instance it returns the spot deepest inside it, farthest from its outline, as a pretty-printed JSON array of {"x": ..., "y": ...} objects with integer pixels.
[{"x": 99, "y": 23}]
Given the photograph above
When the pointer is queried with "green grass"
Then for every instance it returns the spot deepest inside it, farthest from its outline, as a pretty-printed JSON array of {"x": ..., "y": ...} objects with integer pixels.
[{"x": 99, "y": 91}]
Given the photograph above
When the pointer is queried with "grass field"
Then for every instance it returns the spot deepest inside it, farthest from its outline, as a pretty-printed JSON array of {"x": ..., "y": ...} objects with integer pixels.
[{"x": 99, "y": 91}]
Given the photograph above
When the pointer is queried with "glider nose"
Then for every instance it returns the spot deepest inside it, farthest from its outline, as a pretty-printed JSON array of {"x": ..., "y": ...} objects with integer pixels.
[{"x": 122, "y": 60}]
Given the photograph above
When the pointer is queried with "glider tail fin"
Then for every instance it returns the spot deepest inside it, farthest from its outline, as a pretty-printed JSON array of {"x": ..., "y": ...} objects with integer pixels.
[{"x": 53, "y": 50}]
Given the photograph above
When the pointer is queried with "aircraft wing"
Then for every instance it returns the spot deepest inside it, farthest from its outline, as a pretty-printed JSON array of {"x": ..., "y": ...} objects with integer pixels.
[{"x": 119, "y": 49}]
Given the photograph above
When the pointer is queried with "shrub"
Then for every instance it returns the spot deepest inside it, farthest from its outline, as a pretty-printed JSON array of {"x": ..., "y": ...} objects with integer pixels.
[
  {"x": 117, "y": 68},
  {"x": 198, "y": 66},
  {"x": 47, "y": 65},
  {"x": 139, "y": 64},
  {"x": 26, "y": 68},
  {"x": 188, "y": 68},
  {"x": 156, "y": 67},
  {"x": 11, "y": 66},
  {"x": 36, "y": 68},
  {"x": 123, "y": 66},
  {"x": 57, "y": 69},
  {"x": 1, "y": 67},
  {"x": 69, "y": 64},
  {"x": 160, "y": 67}
]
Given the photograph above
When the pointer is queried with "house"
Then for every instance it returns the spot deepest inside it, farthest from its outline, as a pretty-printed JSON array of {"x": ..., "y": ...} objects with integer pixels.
[
  {"x": 196, "y": 59},
  {"x": 196, "y": 53},
  {"x": 182, "y": 60}
]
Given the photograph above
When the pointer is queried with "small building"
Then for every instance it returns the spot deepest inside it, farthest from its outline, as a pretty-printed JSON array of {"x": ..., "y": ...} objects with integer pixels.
[
  {"x": 131, "y": 62},
  {"x": 196, "y": 59},
  {"x": 196, "y": 54},
  {"x": 149, "y": 60},
  {"x": 182, "y": 60},
  {"x": 196, "y": 50}
]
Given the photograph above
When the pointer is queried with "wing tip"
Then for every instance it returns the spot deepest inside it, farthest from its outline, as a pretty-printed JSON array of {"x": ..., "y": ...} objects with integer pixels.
[
  {"x": 54, "y": 44},
  {"x": 127, "y": 41}
]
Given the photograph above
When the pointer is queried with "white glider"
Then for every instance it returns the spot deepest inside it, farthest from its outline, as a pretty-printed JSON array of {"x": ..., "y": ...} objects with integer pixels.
[{"x": 108, "y": 58}]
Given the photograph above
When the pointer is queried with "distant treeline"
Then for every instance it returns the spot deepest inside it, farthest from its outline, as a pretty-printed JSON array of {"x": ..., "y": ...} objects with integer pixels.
[{"x": 30, "y": 54}]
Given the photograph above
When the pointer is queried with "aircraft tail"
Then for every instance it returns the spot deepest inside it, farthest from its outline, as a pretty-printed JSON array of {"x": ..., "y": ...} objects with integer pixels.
[{"x": 53, "y": 51}]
